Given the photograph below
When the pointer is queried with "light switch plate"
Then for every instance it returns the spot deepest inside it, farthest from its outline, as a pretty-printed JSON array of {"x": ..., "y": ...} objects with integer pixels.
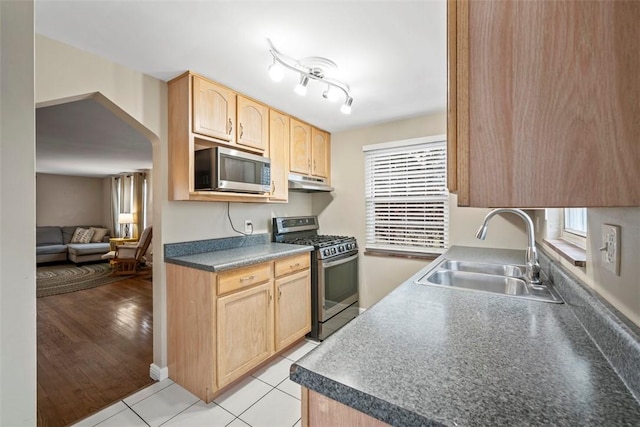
[{"x": 611, "y": 248}]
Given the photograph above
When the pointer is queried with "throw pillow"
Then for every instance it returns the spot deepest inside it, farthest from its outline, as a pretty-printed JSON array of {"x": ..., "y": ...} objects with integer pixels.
[
  {"x": 82, "y": 235},
  {"x": 98, "y": 234}
]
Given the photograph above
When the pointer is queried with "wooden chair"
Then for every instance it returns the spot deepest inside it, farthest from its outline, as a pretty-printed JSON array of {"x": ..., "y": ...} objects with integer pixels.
[{"x": 129, "y": 259}]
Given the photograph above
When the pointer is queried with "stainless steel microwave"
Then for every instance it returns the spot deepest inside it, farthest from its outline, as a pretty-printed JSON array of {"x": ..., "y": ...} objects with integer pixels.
[{"x": 225, "y": 169}]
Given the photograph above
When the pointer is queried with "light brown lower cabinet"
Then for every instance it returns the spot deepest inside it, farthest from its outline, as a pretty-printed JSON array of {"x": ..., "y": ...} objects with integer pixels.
[
  {"x": 222, "y": 326},
  {"x": 245, "y": 331},
  {"x": 320, "y": 411}
]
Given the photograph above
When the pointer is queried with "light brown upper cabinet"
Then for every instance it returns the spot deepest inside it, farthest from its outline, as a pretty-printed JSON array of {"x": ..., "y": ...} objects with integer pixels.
[
  {"x": 300, "y": 148},
  {"x": 202, "y": 114},
  {"x": 319, "y": 153},
  {"x": 214, "y": 110},
  {"x": 543, "y": 103},
  {"x": 279, "y": 153},
  {"x": 253, "y": 124},
  {"x": 309, "y": 150}
]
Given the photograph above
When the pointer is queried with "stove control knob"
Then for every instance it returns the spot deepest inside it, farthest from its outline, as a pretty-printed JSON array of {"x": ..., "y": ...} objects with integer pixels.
[
  {"x": 340, "y": 248},
  {"x": 326, "y": 252},
  {"x": 333, "y": 251}
]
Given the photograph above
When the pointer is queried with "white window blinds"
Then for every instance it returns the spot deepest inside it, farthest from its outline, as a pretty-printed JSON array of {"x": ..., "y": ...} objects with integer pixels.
[{"x": 407, "y": 202}]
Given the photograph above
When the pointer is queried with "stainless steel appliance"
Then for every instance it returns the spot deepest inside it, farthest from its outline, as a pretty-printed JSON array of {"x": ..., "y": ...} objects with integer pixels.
[
  {"x": 334, "y": 272},
  {"x": 225, "y": 169},
  {"x": 308, "y": 184}
]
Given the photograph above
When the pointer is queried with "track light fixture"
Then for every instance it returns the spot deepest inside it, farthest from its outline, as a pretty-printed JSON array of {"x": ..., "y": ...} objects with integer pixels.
[
  {"x": 301, "y": 88},
  {"x": 314, "y": 68}
]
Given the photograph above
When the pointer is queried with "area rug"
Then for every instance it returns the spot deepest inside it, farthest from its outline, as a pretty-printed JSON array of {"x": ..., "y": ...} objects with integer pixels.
[{"x": 61, "y": 279}]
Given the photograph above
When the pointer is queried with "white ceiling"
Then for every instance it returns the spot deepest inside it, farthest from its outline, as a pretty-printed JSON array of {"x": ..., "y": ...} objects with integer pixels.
[{"x": 391, "y": 53}]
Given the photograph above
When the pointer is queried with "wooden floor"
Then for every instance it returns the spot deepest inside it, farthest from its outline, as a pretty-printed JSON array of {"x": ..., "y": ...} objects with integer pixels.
[{"x": 94, "y": 348}]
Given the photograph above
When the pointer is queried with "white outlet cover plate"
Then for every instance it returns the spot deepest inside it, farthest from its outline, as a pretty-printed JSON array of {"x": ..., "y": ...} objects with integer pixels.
[{"x": 611, "y": 243}]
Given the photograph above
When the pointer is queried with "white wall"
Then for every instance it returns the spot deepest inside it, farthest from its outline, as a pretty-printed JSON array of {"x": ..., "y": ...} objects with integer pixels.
[
  {"x": 17, "y": 216},
  {"x": 343, "y": 211},
  {"x": 623, "y": 291},
  {"x": 70, "y": 200}
]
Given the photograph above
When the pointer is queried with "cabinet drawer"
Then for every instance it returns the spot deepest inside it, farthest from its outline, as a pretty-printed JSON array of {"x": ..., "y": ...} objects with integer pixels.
[
  {"x": 243, "y": 278},
  {"x": 292, "y": 264}
]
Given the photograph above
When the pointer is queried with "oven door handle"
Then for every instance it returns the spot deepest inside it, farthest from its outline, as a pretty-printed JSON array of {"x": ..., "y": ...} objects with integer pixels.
[{"x": 340, "y": 261}]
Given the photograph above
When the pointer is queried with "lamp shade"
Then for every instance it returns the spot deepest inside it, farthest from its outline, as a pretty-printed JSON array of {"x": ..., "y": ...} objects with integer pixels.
[{"x": 125, "y": 218}]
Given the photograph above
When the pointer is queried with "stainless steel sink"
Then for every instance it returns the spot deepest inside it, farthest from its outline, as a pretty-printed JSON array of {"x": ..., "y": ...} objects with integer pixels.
[
  {"x": 479, "y": 282},
  {"x": 479, "y": 267},
  {"x": 502, "y": 279}
]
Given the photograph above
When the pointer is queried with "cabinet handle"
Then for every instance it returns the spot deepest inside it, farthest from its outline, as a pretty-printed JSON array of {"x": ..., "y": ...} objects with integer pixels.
[
  {"x": 297, "y": 264},
  {"x": 273, "y": 187},
  {"x": 247, "y": 278},
  {"x": 314, "y": 165},
  {"x": 270, "y": 297},
  {"x": 241, "y": 130},
  {"x": 309, "y": 163},
  {"x": 279, "y": 294},
  {"x": 230, "y": 126}
]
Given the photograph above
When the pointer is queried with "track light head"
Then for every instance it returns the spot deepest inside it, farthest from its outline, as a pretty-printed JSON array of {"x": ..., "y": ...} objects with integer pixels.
[
  {"x": 301, "y": 89},
  {"x": 331, "y": 94},
  {"x": 346, "y": 107},
  {"x": 276, "y": 71}
]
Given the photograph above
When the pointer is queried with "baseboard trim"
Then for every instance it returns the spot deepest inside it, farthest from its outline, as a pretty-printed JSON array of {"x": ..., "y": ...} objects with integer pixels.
[{"x": 157, "y": 373}]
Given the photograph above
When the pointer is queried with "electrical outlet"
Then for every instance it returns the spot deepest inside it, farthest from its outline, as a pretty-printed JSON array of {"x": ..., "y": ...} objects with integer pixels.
[
  {"x": 611, "y": 248},
  {"x": 248, "y": 226}
]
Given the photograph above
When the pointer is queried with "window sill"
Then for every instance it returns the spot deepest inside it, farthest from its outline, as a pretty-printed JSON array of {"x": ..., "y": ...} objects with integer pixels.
[
  {"x": 398, "y": 254},
  {"x": 572, "y": 253}
]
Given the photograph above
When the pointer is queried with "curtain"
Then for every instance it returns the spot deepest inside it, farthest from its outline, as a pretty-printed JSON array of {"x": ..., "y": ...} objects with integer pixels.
[
  {"x": 114, "y": 212},
  {"x": 138, "y": 203},
  {"x": 128, "y": 196}
]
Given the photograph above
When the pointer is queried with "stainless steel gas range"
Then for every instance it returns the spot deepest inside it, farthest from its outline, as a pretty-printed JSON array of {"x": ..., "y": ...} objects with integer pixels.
[{"x": 334, "y": 272}]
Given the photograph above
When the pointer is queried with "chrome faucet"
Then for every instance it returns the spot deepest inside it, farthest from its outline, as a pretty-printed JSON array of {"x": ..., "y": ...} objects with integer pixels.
[{"x": 533, "y": 267}]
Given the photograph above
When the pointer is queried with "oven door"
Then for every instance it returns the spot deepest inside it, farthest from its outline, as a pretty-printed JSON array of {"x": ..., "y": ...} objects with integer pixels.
[{"x": 337, "y": 285}]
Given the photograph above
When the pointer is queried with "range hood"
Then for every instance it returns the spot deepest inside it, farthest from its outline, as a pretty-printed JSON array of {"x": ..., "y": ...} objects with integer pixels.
[{"x": 308, "y": 184}]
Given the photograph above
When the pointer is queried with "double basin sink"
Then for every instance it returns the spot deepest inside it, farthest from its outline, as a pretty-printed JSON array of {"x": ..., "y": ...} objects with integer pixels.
[{"x": 503, "y": 279}]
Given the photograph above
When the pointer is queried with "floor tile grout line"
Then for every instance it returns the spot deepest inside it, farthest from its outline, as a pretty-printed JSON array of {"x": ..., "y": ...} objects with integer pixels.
[
  {"x": 254, "y": 403},
  {"x": 137, "y": 414},
  {"x": 297, "y": 398},
  {"x": 272, "y": 387},
  {"x": 152, "y": 394},
  {"x": 194, "y": 403}
]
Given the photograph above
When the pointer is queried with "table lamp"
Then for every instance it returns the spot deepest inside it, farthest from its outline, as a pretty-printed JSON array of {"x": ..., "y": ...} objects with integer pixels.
[{"x": 126, "y": 219}]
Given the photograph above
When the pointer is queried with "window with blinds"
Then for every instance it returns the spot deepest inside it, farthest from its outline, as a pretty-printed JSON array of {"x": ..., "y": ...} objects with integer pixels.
[{"x": 407, "y": 202}]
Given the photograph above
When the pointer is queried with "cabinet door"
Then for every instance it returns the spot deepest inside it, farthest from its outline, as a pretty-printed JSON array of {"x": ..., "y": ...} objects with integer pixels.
[
  {"x": 319, "y": 153},
  {"x": 253, "y": 124},
  {"x": 214, "y": 110},
  {"x": 293, "y": 308},
  {"x": 279, "y": 153},
  {"x": 300, "y": 150},
  {"x": 245, "y": 331},
  {"x": 546, "y": 102}
]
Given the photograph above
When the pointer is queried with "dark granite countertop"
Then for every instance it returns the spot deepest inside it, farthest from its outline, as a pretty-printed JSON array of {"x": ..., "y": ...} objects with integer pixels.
[
  {"x": 427, "y": 355},
  {"x": 229, "y": 253}
]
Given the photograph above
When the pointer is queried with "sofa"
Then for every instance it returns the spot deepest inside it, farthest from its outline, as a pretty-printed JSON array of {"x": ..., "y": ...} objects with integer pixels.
[{"x": 54, "y": 243}]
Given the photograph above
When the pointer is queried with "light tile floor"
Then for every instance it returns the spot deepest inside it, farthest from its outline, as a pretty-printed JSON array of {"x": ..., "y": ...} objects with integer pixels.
[{"x": 268, "y": 398}]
